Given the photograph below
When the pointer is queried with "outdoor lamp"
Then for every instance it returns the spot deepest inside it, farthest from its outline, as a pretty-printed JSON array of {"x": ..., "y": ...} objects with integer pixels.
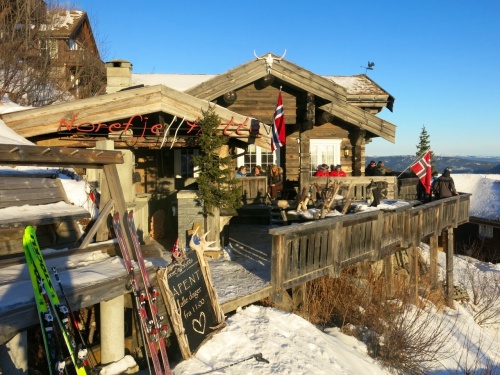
[{"x": 347, "y": 151}]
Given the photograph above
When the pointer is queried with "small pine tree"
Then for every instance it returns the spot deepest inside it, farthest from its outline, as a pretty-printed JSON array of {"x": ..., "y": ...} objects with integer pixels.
[
  {"x": 425, "y": 145},
  {"x": 216, "y": 187}
]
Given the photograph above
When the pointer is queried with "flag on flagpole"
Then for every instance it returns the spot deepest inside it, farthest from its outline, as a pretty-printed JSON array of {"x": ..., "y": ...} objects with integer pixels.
[
  {"x": 278, "y": 132},
  {"x": 423, "y": 170}
]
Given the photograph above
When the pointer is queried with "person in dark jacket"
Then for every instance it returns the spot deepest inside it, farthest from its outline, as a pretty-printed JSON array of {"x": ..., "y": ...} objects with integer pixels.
[
  {"x": 444, "y": 186},
  {"x": 370, "y": 168}
]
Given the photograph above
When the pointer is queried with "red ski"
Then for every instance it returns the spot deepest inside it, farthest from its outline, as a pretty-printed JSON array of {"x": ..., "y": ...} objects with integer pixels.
[
  {"x": 148, "y": 329},
  {"x": 152, "y": 294}
]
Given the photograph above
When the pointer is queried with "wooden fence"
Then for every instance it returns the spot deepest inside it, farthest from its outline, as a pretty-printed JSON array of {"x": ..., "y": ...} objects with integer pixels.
[{"x": 301, "y": 253}]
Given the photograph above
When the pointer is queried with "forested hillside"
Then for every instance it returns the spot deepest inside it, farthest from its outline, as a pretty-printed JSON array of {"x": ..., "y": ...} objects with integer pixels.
[{"x": 458, "y": 164}]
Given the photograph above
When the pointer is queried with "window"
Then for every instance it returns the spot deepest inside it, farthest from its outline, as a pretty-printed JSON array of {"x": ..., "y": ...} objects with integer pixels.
[
  {"x": 485, "y": 231},
  {"x": 49, "y": 47},
  {"x": 324, "y": 151},
  {"x": 255, "y": 155},
  {"x": 73, "y": 45},
  {"x": 183, "y": 159}
]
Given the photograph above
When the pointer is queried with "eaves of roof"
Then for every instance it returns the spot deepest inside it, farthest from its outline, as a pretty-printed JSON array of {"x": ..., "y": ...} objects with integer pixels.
[
  {"x": 121, "y": 105},
  {"x": 480, "y": 220}
]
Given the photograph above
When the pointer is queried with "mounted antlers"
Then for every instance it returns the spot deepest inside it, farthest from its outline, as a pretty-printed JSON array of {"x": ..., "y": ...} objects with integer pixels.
[
  {"x": 201, "y": 244},
  {"x": 269, "y": 60}
]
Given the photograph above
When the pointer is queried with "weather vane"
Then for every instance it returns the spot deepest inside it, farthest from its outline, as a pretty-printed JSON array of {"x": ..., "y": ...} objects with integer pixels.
[{"x": 369, "y": 67}]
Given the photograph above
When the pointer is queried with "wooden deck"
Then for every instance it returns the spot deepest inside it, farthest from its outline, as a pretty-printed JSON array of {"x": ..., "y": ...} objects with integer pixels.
[{"x": 288, "y": 256}]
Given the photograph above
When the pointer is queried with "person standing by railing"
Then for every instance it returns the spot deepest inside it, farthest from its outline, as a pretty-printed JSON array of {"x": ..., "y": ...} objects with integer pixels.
[
  {"x": 444, "y": 186},
  {"x": 370, "y": 168},
  {"x": 381, "y": 169}
]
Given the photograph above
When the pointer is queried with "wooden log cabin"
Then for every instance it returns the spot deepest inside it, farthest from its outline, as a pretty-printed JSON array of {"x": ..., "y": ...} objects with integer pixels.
[{"x": 328, "y": 120}]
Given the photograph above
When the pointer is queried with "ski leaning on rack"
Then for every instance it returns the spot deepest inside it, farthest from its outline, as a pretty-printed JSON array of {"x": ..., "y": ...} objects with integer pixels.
[
  {"x": 49, "y": 306},
  {"x": 147, "y": 325},
  {"x": 82, "y": 346},
  {"x": 151, "y": 295}
]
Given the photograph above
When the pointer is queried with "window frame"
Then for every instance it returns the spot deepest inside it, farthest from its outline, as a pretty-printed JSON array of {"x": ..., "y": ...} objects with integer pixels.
[{"x": 336, "y": 143}]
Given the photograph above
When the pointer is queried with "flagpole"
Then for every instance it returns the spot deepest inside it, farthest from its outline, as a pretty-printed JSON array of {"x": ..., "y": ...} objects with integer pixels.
[{"x": 418, "y": 158}]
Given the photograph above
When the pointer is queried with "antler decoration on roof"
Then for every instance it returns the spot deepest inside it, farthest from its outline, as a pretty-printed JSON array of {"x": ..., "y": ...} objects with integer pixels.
[{"x": 269, "y": 60}]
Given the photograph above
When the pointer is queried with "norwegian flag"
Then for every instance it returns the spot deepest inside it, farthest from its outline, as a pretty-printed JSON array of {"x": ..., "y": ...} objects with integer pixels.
[
  {"x": 278, "y": 137},
  {"x": 423, "y": 170}
]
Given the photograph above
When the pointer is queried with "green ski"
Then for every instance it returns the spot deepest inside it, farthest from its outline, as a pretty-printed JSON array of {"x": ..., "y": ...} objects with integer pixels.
[
  {"x": 46, "y": 289},
  {"x": 52, "y": 352}
]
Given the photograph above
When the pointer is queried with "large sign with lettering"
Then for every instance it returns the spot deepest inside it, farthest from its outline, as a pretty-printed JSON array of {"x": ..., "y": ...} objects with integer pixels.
[
  {"x": 191, "y": 302},
  {"x": 139, "y": 126}
]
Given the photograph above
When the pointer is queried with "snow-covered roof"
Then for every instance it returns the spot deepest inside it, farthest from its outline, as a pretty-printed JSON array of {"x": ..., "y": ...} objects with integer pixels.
[
  {"x": 180, "y": 82},
  {"x": 485, "y": 190},
  {"x": 354, "y": 85},
  {"x": 358, "y": 85},
  {"x": 64, "y": 21},
  {"x": 7, "y": 135}
]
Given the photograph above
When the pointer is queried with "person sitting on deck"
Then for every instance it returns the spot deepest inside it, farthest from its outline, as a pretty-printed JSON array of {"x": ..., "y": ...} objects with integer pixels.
[
  {"x": 275, "y": 181},
  {"x": 257, "y": 171},
  {"x": 322, "y": 171},
  {"x": 242, "y": 171},
  {"x": 338, "y": 172}
]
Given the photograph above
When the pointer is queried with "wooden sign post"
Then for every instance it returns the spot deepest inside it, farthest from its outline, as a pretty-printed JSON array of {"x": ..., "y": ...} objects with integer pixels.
[{"x": 191, "y": 302}]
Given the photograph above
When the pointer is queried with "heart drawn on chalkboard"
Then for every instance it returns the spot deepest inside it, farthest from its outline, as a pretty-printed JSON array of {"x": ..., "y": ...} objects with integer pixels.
[{"x": 199, "y": 325}]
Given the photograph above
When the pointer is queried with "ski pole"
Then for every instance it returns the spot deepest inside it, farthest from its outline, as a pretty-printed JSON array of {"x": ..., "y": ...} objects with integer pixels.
[
  {"x": 258, "y": 357},
  {"x": 72, "y": 316}
]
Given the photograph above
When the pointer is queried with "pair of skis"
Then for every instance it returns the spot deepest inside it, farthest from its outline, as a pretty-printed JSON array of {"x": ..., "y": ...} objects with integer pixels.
[
  {"x": 152, "y": 330},
  {"x": 57, "y": 334}
]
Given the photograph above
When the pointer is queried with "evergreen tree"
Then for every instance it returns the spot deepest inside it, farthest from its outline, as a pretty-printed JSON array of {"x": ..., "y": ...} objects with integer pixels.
[
  {"x": 424, "y": 145},
  {"x": 216, "y": 187}
]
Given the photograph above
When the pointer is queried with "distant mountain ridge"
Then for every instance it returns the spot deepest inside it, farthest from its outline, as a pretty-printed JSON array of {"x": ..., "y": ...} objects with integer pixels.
[{"x": 458, "y": 164}]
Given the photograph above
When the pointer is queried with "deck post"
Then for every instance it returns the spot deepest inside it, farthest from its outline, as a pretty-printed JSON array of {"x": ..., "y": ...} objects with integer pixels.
[
  {"x": 112, "y": 330},
  {"x": 433, "y": 244},
  {"x": 279, "y": 295},
  {"x": 389, "y": 275},
  {"x": 449, "y": 267},
  {"x": 413, "y": 258},
  {"x": 102, "y": 231}
]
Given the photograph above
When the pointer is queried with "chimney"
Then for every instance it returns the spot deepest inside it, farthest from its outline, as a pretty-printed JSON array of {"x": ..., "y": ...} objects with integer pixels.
[{"x": 119, "y": 75}]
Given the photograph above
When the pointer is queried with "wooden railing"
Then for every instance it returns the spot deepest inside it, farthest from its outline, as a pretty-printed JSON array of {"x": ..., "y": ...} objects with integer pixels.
[
  {"x": 304, "y": 252},
  {"x": 254, "y": 189},
  {"x": 359, "y": 185}
]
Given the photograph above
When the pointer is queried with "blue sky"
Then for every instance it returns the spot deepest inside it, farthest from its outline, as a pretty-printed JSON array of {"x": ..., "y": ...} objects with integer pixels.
[{"x": 439, "y": 59}]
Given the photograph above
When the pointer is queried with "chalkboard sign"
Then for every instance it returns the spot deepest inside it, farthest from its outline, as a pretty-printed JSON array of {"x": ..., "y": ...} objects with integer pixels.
[{"x": 191, "y": 302}]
